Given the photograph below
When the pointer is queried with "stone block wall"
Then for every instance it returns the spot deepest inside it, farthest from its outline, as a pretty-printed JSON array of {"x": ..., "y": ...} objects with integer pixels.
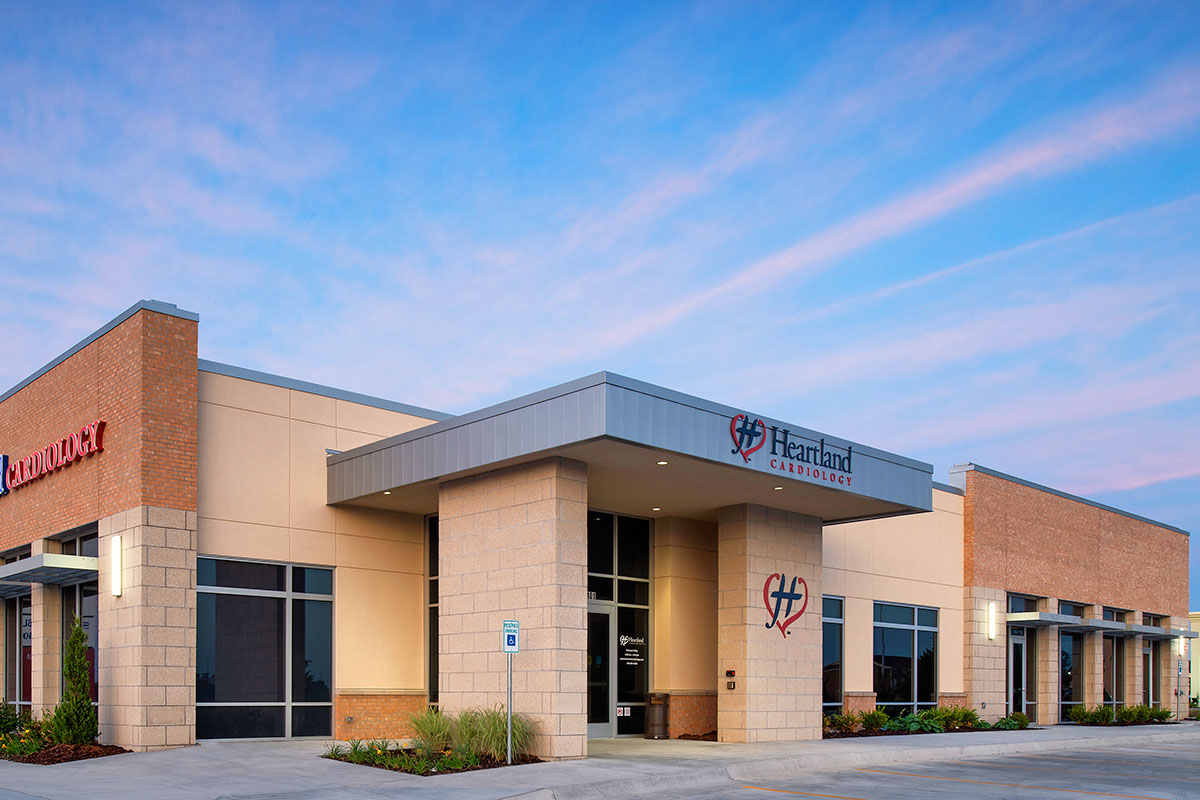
[
  {"x": 985, "y": 661},
  {"x": 858, "y": 702},
  {"x": 147, "y": 635},
  {"x": 778, "y": 689},
  {"x": 513, "y": 545}
]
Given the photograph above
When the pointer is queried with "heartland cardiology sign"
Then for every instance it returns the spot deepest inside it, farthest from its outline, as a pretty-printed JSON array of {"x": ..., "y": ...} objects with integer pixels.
[
  {"x": 64, "y": 452},
  {"x": 791, "y": 455}
]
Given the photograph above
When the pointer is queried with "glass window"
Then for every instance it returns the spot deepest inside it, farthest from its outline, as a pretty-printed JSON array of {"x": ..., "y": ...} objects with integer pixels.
[
  {"x": 897, "y": 615},
  {"x": 81, "y": 601},
  {"x": 1114, "y": 671},
  {"x": 635, "y": 593},
  {"x": 18, "y": 652},
  {"x": 831, "y": 607},
  {"x": 431, "y": 626},
  {"x": 633, "y": 637},
  {"x": 633, "y": 547},
  {"x": 600, "y": 543},
  {"x": 1114, "y": 615},
  {"x": 240, "y": 574},
  {"x": 831, "y": 673},
  {"x": 249, "y": 633},
  {"x": 1071, "y": 671},
  {"x": 1019, "y": 604},
  {"x": 905, "y": 657},
  {"x": 1070, "y": 609}
]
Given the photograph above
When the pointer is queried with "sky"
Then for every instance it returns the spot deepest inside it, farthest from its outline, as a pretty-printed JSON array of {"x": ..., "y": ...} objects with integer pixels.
[{"x": 959, "y": 232}]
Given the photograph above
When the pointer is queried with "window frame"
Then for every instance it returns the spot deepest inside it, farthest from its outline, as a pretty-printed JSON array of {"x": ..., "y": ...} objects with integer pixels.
[
  {"x": 288, "y": 596},
  {"x": 915, "y": 629},
  {"x": 840, "y": 622}
]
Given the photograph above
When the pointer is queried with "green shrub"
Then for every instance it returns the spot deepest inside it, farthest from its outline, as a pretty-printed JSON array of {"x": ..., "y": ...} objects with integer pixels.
[
  {"x": 1101, "y": 715},
  {"x": 1125, "y": 715},
  {"x": 873, "y": 720},
  {"x": 844, "y": 723},
  {"x": 435, "y": 730},
  {"x": 1019, "y": 718},
  {"x": 485, "y": 732},
  {"x": 358, "y": 751},
  {"x": 1141, "y": 713},
  {"x": 8, "y": 718},
  {"x": 913, "y": 722},
  {"x": 1015, "y": 721},
  {"x": 74, "y": 719},
  {"x": 1160, "y": 714},
  {"x": 952, "y": 717},
  {"x": 336, "y": 750},
  {"x": 1079, "y": 714}
]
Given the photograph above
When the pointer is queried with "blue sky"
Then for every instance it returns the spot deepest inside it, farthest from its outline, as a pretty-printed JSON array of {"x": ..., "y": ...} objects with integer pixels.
[{"x": 956, "y": 231}]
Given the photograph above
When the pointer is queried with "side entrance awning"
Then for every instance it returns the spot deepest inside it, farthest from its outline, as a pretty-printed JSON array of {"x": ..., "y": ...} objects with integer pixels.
[{"x": 54, "y": 569}]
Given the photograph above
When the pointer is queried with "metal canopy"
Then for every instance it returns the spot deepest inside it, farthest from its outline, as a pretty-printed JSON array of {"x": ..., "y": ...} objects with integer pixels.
[
  {"x": 1042, "y": 619},
  {"x": 1098, "y": 626},
  {"x": 55, "y": 569},
  {"x": 623, "y": 428}
]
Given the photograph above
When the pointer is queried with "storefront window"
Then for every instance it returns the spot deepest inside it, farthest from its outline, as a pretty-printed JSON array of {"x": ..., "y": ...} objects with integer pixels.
[
  {"x": 18, "y": 653},
  {"x": 831, "y": 649},
  {"x": 81, "y": 601},
  {"x": 1071, "y": 671},
  {"x": 264, "y": 650},
  {"x": 905, "y": 657},
  {"x": 1114, "y": 671}
]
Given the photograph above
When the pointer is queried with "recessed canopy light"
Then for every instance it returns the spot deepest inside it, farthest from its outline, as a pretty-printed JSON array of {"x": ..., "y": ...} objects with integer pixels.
[
  {"x": 656, "y": 508},
  {"x": 779, "y": 488},
  {"x": 662, "y": 463},
  {"x": 387, "y": 492}
]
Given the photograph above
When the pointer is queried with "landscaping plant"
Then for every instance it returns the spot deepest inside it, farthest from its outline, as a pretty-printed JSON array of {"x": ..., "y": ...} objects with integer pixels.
[
  {"x": 74, "y": 720},
  {"x": 843, "y": 723},
  {"x": 874, "y": 720},
  {"x": 434, "y": 730}
]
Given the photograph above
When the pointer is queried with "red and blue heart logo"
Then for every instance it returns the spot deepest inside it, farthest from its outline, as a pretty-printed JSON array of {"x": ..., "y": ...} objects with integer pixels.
[
  {"x": 744, "y": 433},
  {"x": 782, "y": 617}
]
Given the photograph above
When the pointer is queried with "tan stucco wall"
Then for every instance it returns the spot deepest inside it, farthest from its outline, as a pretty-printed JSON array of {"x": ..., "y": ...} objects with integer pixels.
[
  {"x": 1194, "y": 650},
  {"x": 262, "y": 492},
  {"x": 915, "y": 560},
  {"x": 685, "y": 605}
]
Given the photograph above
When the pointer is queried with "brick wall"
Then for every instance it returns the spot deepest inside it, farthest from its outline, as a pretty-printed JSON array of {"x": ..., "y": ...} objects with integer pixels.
[
  {"x": 693, "y": 713},
  {"x": 140, "y": 378},
  {"x": 1022, "y": 539},
  {"x": 375, "y": 714}
]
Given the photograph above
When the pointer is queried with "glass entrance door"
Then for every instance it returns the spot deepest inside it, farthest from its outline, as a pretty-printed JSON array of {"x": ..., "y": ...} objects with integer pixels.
[
  {"x": 601, "y": 674},
  {"x": 1017, "y": 675}
]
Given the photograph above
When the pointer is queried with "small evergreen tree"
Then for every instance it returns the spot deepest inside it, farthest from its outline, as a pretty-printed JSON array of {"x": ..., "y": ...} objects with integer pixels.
[{"x": 75, "y": 718}]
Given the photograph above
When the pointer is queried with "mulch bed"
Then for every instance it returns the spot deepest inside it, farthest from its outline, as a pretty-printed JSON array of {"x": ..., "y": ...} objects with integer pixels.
[
  {"x": 711, "y": 736},
  {"x": 62, "y": 753},
  {"x": 485, "y": 762},
  {"x": 861, "y": 734}
]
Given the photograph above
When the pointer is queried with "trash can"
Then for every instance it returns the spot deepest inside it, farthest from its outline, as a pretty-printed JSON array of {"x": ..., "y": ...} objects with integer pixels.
[{"x": 657, "y": 706}]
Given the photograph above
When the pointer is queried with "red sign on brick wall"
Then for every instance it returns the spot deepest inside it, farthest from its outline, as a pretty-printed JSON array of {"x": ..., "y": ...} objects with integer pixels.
[{"x": 59, "y": 454}]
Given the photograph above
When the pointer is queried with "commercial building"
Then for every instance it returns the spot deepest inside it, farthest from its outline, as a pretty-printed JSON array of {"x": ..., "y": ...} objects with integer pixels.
[{"x": 259, "y": 557}]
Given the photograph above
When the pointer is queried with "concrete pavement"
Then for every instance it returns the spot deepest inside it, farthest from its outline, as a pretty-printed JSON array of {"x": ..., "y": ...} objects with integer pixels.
[{"x": 615, "y": 768}]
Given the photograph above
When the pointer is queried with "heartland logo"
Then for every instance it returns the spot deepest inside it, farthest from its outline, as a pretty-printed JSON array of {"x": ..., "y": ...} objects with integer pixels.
[
  {"x": 85, "y": 442},
  {"x": 792, "y": 455}
]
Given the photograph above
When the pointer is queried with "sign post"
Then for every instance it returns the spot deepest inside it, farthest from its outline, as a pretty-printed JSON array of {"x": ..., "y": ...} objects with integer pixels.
[{"x": 510, "y": 640}]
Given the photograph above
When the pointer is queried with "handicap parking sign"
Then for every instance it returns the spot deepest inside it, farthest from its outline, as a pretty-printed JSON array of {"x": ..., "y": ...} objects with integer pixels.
[{"x": 511, "y": 636}]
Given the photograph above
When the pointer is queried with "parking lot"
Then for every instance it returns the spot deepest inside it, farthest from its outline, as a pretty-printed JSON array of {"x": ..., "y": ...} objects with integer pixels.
[{"x": 1144, "y": 772}]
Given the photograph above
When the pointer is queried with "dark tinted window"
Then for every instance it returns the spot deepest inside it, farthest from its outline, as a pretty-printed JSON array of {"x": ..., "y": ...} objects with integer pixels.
[
  {"x": 307, "y": 580},
  {"x": 232, "y": 722},
  {"x": 927, "y": 617},
  {"x": 831, "y": 671},
  {"x": 312, "y": 720},
  {"x": 633, "y": 652},
  {"x": 893, "y": 665},
  {"x": 831, "y": 607},
  {"x": 926, "y": 667},
  {"x": 600, "y": 543},
  {"x": 312, "y": 651},
  {"x": 239, "y": 649},
  {"x": 633, "y": 592},
  {"x": 899, "y": 615},
  {"x": 240, "y": 574},
  {"x": 633, "y": 547}
]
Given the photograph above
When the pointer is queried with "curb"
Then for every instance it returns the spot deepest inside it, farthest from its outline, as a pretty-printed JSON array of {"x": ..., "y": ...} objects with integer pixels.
[{"x": 684, "y": 779}]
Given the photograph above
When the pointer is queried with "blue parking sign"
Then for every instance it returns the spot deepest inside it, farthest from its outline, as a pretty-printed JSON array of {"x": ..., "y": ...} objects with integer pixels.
[{"x": 511, "y": 636}]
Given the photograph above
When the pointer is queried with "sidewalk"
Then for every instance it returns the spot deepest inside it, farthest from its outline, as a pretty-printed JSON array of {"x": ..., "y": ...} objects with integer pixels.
[{"x": 615, "y": 767}]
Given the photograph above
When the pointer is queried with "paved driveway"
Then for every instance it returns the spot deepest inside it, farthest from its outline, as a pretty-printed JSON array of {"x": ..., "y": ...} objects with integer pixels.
[{"x": 1144, "y": 772}]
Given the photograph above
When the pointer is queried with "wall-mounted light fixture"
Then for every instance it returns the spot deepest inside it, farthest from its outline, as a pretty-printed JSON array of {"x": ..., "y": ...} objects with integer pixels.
[
  {"x": 116, "y": 565},
  {"x": 991, "y": 622}
]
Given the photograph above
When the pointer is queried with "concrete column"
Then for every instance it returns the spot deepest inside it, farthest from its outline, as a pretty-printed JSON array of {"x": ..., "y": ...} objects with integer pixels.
[
  {"x": 45, "y": 682},
  {"x": 985, "y": 661},
  {"x": 1093, "y": 669},
  {"x": 1049, "y": 673},
  {"x": 513, "y": 545},
  {"x": 778, "y": 677},
  {"x": 147, "y": 663},
  {"x": 1134, "y": 694}
]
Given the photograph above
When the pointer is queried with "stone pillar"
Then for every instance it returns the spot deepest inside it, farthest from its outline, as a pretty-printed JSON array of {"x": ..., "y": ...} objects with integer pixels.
[
  {"x": 147, "y": 664},
  {"x": 512, "y": 544},
  {"x": 1093, "y": 669},
  {"x": 45, "y": 681},
  {"x": 1134, "y": 689},
  {"x": 778, "y": 677},
  {"x": 985, "y": 661},
  {"x": 1049, "y": 664}
]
